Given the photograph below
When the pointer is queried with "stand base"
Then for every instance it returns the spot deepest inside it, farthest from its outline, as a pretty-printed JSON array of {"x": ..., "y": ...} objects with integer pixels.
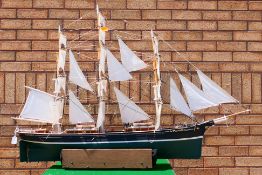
[{"x": 107, "y": 158}]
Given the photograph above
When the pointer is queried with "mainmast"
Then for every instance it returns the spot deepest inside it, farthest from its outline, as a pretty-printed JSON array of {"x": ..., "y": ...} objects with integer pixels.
[
  {"x": 157, "y": 81},
  {"x": 102, "y": 83}
]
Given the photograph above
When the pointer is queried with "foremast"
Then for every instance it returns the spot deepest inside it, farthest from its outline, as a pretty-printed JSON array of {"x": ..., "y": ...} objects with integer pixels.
[
  {"x": 157, "y": 81},
  {"x": 102, "y": 83}
]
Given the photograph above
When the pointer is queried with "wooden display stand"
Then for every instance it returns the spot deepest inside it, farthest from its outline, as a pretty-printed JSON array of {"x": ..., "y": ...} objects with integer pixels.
[{"x": 107, "y": 158}]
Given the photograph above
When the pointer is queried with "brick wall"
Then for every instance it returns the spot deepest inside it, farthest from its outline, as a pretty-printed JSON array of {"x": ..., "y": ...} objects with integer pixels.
[{"x": 223, "y": 38}]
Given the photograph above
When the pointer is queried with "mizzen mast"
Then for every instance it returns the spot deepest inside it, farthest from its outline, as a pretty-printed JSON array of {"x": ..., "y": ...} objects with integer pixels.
[{"x": 157, "y": 80}]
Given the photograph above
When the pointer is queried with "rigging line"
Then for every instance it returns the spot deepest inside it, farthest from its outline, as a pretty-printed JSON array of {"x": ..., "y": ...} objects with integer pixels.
[
  {"x": 81, "y": 35},
  {"x": 125, "y": 105}
]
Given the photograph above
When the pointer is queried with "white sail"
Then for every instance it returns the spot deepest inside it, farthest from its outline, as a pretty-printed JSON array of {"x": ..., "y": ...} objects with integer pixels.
[
  {"x": 116, "y": 71},
  {"x": 177, "y": 101},
  {"x": 77, "y": 112},
  {"x": 62, "y": 39},
  {"x": 214, "y": 91},
  {"x": 102, "y": 59},
  {"x": 61, "y": 60},
  {"x": 76, "y": 75},
  {"x": 130, "y": 112},
  {"x": 195, "y": 97},
  {"x": 129, "y": 59},
  {"x": 41, "y": 106},
  {"x": 60, "y": 83},
  {"x": 101, "y": 114}
]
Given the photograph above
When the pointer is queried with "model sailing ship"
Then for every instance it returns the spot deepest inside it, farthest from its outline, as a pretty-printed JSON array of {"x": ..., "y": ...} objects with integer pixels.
[{"x": 184, "y": 141}]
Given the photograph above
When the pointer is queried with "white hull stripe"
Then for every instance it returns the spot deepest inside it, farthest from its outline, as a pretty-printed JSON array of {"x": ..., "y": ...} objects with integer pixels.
[{"x": 106, "y": 142}]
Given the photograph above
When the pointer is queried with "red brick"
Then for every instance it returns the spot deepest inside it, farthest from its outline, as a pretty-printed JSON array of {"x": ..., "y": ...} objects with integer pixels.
[
  {"x": 179, "y": 45},
  {"x": 48, "y": 4},
  {"x": 15, "y": 24},
  {"x": 114, "y": 4},
  {"x": 248, "y": 36},
  {"x": 256, "y": 109},
  {"x": 7, "y": 13},
  {"x": 64, "y": 14},
  {"x": 206, "y": 5},
  {"x": 32, "y": 34},
  {"x": 15, "y": 66},
  {"x": 256, "y": 88},
  {"x": 77, "y": 25},
  {"x": 255, "y": 5},
  {"x": 254, "y": 46},
  {"x": 2, "y": 88},
  {"x": 126, "y": 14},
  {"x": 182, "y": 14},
  {"x": 247, "y": 56},
  {"x": 9, "y": 153},
  {"x": 15, "y": 45},
  {"x": 140, "y": 25},
  {"x": 248, "y": 140},
  {"x": 249, "y": 119},
  {"x": 255, "y": 171},
  {"x": 208, "y": 35},
  {"x": 82, "y": 4},
  {"x": 7, "y": 56},
  {"x": 16, "y": 3},
  {"x": 247, "y": 15},
  {"x": 248, "y": 161},
  {"x": 162, "y": 35},
  {"x": 217, "y": 15},
  {"x": 246, "y": 86},
  {"x": 188, "y": 163},
  {"x": 209, "y": 151},
  {"x": 202, "y": 25},
  {"x": 14, "y": 172},
  {"x": 31, "y": 56},
  {"x": 234, "y": 171},
  {"x": 170, "y": 4},
  {"x": 255, "y": 26},
  {"x": 156, "y": 14},
  {"x": 217, "y": 56},
  {"x": 231, "y": 46},
  {"x": 232, "y": 5},
  {"x": 116, "y": 25},
  {"x": 171, "y": 25},
  {"x": 7, "y": 35},
  {"x": 7, "y": 163},
  {"x": 183, "y": 56},
  {"x": 19, "y": 164},
  {"x": 20, "y": 87},
  {"x": 45, "y": 24},
  {"x": 32, "y": 13},
  {"x": 201, "y": 46},
  {"x": 9, "y": 87},
  {"x": 233, "y": 150},
  {"x": 218, "y": 161},
  {"x": 255, "y": 130},
  {"x": 255, "y": 150},
  {"x": 203, "y": 171},
  {"x": 187, "y": 35},
  {"x": 232, "y": 25},
  {"x": 145, "y": 4},
  {"x": 44, "y": 45},
  {"x": 219, "y": 140}
]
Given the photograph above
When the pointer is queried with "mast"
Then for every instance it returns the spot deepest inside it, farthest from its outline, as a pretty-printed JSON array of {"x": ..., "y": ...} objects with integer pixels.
[
  {"x": 102, "y": 83},
  {"x": 157, "y": 80}
]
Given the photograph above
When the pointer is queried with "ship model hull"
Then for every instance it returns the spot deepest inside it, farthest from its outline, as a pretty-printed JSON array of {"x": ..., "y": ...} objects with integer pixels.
[{"x": 182, "y": 143}]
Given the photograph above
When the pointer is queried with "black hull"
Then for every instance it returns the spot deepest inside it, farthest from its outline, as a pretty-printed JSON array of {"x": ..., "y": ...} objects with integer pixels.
[{"x": 168, "y": 143}]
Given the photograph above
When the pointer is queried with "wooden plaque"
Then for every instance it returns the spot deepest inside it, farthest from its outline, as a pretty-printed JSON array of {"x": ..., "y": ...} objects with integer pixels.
[{"x": 106, "y": 158}]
